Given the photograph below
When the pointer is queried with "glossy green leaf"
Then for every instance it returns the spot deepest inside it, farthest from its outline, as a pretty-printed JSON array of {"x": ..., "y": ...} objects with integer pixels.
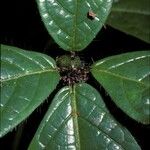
[
  {"x": 131, "y": 17},
  {"x": 67, "y": 21},
  {"x": 27, "y": 78},
  {"x": 79, "y": 120},
  {"x": 126, "y": 78}
]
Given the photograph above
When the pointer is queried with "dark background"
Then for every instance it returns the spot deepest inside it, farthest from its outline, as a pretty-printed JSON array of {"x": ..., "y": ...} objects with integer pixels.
[{"x": 21, "y": 26}]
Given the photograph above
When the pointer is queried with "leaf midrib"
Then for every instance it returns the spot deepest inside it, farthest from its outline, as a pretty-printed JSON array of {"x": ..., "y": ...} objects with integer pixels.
[
  {"x": 122, "y": 77},
  {"x": 123, "y": 10},
  {"x": 75, "y": 118},
  {"x": 27, "y": 74},
  {"x": 75, "y": 26}
]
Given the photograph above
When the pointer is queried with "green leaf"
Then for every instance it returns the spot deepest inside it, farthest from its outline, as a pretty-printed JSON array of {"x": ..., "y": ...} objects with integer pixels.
[
  {"x": 126, "y": 78},
  {"x": 78, "y": 119},
  {"x": 27, "y": 78},
  {"x": 131, "y": 17},
  {"x": 68, "y": 23}
]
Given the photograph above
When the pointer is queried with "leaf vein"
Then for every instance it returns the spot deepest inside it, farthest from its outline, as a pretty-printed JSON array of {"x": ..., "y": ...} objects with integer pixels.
[
  {"x": 130, "y": 11},
  {"x": 101, "y": 130},
  {"x": 26, "y": 74},
  {"x": 122, "y": 77}
]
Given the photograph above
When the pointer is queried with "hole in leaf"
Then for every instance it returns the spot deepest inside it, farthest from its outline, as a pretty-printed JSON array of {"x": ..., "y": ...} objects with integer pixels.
[{"x": 91, "y": 15}]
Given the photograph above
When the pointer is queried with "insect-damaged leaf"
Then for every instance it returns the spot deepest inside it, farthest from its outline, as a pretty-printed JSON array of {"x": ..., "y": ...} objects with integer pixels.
[
  {"x": 78, "y": 119},
  {"x": 27, "y": 78},
  {"x": 126, "y": 78},
  {"x": 74, "y": 23}
]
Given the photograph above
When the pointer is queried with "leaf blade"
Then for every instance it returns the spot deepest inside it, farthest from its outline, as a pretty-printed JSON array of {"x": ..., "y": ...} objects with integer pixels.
[
  {"x": 78, "y": 119},
  {"x": 68, "y": 24},
  {"x": 126, "y": 79},
  {"x": 24, "y": 76},
  {"x": 131, "y": 17}
]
